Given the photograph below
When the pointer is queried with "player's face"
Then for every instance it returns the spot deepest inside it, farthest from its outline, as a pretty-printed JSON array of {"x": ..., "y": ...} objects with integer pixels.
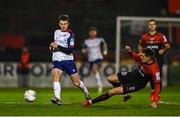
[
  {"x": 152, "y": 26},
  {"x": 63, "y": 25},
  {"x": 92, "y": 34},
  {"x": 145, "y": 58}
]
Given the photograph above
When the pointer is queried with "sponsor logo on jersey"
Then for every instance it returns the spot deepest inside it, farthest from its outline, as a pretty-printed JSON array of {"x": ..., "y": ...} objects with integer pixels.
[
  {"x": 151, "y": 40},
  {"x": 153, "y": 47}
]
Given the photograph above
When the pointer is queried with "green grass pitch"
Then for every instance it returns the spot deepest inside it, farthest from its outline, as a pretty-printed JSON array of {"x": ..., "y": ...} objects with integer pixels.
[{"x": 12, "y": 103}]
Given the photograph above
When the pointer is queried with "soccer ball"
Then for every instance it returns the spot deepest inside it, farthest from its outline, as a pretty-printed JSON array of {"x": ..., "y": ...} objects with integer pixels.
[{"x": 30, "y": 95}]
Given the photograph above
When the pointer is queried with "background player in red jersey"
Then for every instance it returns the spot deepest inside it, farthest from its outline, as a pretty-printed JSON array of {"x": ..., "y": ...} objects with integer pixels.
[
  {"x": 127, "y": 82},
  {"x": 156, "y": 41}
]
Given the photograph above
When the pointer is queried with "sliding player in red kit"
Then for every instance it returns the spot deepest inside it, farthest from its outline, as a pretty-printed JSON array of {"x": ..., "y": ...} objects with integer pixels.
[{"x": 127, "y": 82}]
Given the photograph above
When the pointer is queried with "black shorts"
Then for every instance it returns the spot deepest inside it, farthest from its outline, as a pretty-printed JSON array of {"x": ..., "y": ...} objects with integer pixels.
[{"x": 133, "y": 81}]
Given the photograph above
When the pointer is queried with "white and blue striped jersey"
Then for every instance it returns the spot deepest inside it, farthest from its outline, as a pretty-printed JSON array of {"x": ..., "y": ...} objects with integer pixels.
[{"x": 66, "y": 40}]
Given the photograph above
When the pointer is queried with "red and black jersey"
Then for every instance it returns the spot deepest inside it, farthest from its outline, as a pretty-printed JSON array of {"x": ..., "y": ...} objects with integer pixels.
[
  {"x": 156, "y": 41},
  {"x": 149, "y": 69}
]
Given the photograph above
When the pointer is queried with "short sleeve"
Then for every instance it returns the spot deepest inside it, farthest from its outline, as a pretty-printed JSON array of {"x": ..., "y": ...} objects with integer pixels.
[
  {"x": 71, "y": 40},
  {"x": 164, "y": 39},
  {"x": 56, "y": 32},
  {"x": 84, "y": 44}
]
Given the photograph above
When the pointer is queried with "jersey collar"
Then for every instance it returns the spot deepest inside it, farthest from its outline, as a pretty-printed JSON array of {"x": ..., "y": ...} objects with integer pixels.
[{"x": 153, "y": 34}]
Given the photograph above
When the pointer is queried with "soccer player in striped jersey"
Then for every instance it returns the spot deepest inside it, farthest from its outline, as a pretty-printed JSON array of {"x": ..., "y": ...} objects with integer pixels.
[
  {"x": 95, "y": 48},
  {"x": 63, "y": 60}
]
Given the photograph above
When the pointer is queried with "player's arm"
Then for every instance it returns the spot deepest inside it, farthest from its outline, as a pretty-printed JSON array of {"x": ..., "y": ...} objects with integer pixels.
[
  {"x": 65, "y": 50},
  {"x": 155, "y": 94},
  {"x": 52, "y": 46},
  {"x": 55, "y": 48},
  {"x": 84, "y": 48},
  {"x": 166, "y": 45},
  {"x": 140, "y": 48},
  {"x": 70, "y": 42},
  {"x": 166, "y": 48},
  {"x": 132, "y": 53},
  {"x": 152, "y": 85},
  {"x": 104, "y": 47},
  {"x": 140, "y": 44}
]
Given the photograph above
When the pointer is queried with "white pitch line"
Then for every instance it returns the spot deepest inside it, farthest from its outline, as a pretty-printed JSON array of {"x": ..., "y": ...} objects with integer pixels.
[
  {"x": 11, "y": 102},
  {"x": 32, "y": 102},
  {"x": 169, "y": 103}
]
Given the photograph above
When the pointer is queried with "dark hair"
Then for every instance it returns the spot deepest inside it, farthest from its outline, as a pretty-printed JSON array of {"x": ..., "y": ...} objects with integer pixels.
[
  {"x": 153, "y": 20},
  {"x": 92, "y": 28},
  {"x": 63, "y": 18},
  {"x": 148, "y": 52}
]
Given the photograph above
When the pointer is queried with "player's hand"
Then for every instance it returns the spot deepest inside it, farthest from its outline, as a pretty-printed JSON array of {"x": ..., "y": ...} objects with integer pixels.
[
  {"x": 161, "y": 51},
  {"x": 53, "y": 45},
  {"x": 128, "y": 48},
  {"x": 51, "y": 48},
  {"x": 154, "y": 104},
  {"x": 105, "y": 52},
  {"x": 84, "y": 51}
]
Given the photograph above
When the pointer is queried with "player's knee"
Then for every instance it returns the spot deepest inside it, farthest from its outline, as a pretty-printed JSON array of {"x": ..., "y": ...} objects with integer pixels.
[
  {"x": 55, "y": 78},
  {"x": 110, "y": 79},
  {"x": 111, "y": 92},
  {"x": 113, "y": 78},
  {"x": 116, "y": 91},
  {"x": 55, "y": 75},
  {"x": 94, "y": 69},
  {"x": 94, "y": 72},
  {"x": 76, "y": 84}
]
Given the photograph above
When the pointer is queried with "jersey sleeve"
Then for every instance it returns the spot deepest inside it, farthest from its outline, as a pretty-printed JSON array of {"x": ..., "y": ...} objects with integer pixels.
[
  {"x": 135, "y": 56},
  {"x": 164, "y": 39},
  {"x": 84, "y": 44},
  {"x": 56, "y": 35},
  {"x": 71, "y": 40},
  {"x": 102, "y": 40}
]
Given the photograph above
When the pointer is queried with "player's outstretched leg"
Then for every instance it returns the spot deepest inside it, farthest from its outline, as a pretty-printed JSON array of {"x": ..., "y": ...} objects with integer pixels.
[{"x": 111, "y": 92}]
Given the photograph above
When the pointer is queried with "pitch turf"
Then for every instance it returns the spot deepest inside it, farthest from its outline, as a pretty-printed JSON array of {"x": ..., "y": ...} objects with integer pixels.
[{"x": 12, "y": 103}]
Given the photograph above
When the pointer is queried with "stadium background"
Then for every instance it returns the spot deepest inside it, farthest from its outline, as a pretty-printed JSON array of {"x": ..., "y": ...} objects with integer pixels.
[{"x": 32, "y": 23}]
